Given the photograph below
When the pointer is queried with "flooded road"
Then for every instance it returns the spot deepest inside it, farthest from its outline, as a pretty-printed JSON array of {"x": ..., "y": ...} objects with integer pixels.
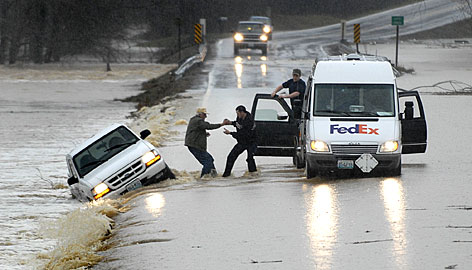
[
  {"x": 275, "y": 220},
  {"x": 45, "y": 113},
  {"x": 280, "y": 219}
]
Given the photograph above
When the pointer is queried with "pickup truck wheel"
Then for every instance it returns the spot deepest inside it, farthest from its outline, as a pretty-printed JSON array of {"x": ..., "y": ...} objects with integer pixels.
[
  {"x": 310, "y": 172},
  {"x": 236, "y": 50},
  {"x": 168, "y": 174},
  {"x": 264, "y": 51}
]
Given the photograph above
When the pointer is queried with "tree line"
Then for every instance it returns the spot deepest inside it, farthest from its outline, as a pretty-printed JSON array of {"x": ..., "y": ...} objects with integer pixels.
[{"x": 43, "y": 31}]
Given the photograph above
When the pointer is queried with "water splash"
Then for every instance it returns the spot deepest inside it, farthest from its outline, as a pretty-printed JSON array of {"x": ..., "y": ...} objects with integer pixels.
[{"x": 79, "y": 235}]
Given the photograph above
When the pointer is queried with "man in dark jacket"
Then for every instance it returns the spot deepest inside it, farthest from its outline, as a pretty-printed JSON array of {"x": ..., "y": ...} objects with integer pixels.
[
  {"x": 196, "y": 140},
  {"x": 246, "y": 136}
]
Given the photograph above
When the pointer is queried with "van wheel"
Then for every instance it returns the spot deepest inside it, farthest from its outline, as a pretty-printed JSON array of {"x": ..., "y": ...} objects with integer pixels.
[
  {"x": 310, "y": 172},
  {"x": 300, "y": 164},
  {"x": 236, "y": 50},
  {"x": 297, "y": 160}
]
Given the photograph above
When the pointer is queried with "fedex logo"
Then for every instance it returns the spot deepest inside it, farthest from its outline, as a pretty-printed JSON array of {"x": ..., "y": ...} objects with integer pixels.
[{"x": 357, "y": 129}]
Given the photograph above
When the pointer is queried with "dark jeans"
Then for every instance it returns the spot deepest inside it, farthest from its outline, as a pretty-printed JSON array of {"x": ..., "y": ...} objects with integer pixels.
[
  {"x": 204, "y": 158},
  {"x": 237, "y": 150}
]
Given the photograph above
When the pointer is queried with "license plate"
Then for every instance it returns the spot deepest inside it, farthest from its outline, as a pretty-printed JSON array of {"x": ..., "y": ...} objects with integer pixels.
[
  {"x": 250, "y": 45},
  {"x": 346, "y": 164},
  {"x": 135, "y": 185}
]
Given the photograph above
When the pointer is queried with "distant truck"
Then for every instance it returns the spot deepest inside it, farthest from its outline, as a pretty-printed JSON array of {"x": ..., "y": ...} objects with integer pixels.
[
  {"x": 268, "y": 27},
  {"x": 114, "y": 162},
  {"x": 250, "y": 35},
  {"x": 355, "y": 119}
]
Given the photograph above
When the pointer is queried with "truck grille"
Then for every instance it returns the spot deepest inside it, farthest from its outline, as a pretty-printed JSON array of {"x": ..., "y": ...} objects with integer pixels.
[
  {"x": 342, "y": 149},
  {"x": 251, "y": 38},
  {"x": 125, "y": 175}
]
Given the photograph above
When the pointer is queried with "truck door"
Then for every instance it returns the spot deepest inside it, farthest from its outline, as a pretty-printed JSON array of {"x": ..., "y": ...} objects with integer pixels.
[
  {"x": 413, "y": 121},
  {"x": 276, "y": 127}
]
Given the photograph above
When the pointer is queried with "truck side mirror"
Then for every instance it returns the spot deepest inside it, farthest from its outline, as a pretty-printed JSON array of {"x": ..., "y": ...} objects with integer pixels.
[
  {"x": 282, "y": 115},
  {"x": 72, "y": 180},
  {"x": 408, "y": 112},
  {"x": 145, "y": 133}
]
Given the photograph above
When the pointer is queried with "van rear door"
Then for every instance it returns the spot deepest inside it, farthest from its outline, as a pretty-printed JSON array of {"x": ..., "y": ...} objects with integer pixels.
[
  {"x": 413, "y": 121},
  {"x": 276, "y": 126}
]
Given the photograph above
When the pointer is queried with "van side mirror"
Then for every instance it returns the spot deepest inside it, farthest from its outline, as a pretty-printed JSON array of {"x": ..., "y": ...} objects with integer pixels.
[
  {"x": 408, "y": 112},
  {"x": 145, "y": 133},
  {"x": 306, "y": 115}
]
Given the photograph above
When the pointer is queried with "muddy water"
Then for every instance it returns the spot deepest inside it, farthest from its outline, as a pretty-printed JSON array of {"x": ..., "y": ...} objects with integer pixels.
[{"x": 44, "y": 113}]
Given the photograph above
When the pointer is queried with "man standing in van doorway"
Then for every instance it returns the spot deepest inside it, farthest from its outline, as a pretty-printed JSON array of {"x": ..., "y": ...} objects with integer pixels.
[
  {"x": 296, "y": 90},
  {"x": 196, "y": 140}
]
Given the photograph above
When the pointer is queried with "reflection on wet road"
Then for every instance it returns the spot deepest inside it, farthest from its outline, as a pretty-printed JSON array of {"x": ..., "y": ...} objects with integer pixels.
[
  {"x": 155, "y": 203},
  {"x": 392, "y": 193},
  {"x": 249, "y": 61},
  {"x": 322, "y": 224}
]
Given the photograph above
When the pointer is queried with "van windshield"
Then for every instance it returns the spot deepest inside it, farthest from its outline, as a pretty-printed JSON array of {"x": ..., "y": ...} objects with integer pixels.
[
  {"x": 354, "y": 100},
  {"x": 103, "y": 149}
]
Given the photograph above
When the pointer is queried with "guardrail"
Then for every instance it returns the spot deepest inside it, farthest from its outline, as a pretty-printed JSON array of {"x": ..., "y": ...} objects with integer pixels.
[{"x": 189, "y": 62}]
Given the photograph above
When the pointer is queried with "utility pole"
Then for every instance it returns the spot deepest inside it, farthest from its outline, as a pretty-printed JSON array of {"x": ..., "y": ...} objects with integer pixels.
[{"x": 178, "y": 22}]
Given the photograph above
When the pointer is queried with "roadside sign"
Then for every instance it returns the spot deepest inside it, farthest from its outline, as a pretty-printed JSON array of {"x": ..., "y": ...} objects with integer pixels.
[
  {"x": 397, "y": 20},
  {"x": 198, "y": 33},
  {"x": 357, "y": 33}
]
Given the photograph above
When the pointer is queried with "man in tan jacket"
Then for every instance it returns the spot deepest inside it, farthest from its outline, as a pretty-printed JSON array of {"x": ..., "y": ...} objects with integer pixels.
[{"x": 196, "y": 140}]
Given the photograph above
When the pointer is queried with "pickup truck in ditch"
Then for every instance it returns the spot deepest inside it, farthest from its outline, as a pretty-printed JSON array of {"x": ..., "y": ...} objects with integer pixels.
[{"x": 114, "y": 162}]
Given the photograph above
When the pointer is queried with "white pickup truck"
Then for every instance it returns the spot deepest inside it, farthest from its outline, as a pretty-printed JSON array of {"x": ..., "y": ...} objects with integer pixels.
[{"x": 113, "y": 162}]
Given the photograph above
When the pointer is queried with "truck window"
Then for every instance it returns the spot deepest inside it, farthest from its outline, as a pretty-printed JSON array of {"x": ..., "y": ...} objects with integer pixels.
[
  {"x": 270, "y": 110},
  {"x": 250, "y": 27},
  {"x": 103, "y": 149},
  {"x": 354, "y": 100},
  {"x": 416, "y": 110}
]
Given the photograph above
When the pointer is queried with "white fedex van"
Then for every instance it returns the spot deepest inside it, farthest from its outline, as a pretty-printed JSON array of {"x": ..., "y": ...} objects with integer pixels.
[{"x": 354, "y": 118}]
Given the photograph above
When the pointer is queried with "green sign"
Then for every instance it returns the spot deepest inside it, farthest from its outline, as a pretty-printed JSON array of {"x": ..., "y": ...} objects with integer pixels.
[{"x": 397, "y": 20}]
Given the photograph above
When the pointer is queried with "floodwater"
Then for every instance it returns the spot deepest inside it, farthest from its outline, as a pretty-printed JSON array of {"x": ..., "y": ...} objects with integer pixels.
[
  {"x": 281, "y": 220},
  {"x": 274, "y": 220},
  {"x": 44, "y": 113}
]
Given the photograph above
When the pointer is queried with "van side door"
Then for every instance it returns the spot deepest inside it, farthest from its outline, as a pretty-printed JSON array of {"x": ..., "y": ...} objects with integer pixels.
[
  {"x": 276, "y": 126},
  {"x": 413, "y": 121}
]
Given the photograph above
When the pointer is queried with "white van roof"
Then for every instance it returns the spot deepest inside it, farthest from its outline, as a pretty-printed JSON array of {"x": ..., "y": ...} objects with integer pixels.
[{"x": 353, "y": 69}]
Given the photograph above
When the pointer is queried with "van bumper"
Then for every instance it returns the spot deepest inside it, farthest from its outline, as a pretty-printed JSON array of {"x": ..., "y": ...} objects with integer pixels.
[{"x": 329, "y": 162}]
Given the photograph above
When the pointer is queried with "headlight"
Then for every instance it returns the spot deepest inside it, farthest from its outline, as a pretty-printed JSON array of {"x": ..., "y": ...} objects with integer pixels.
[
  {"x": 238, "y": 37},
  {"x": 263, "y": 38},
  {"x": 319, "y": 146},
  {"x": 100, "y": 190},
  {"x": 150, "y": 157},
  {"x": 389, "y": 146},
  {"x": 266, "y": 29}
]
